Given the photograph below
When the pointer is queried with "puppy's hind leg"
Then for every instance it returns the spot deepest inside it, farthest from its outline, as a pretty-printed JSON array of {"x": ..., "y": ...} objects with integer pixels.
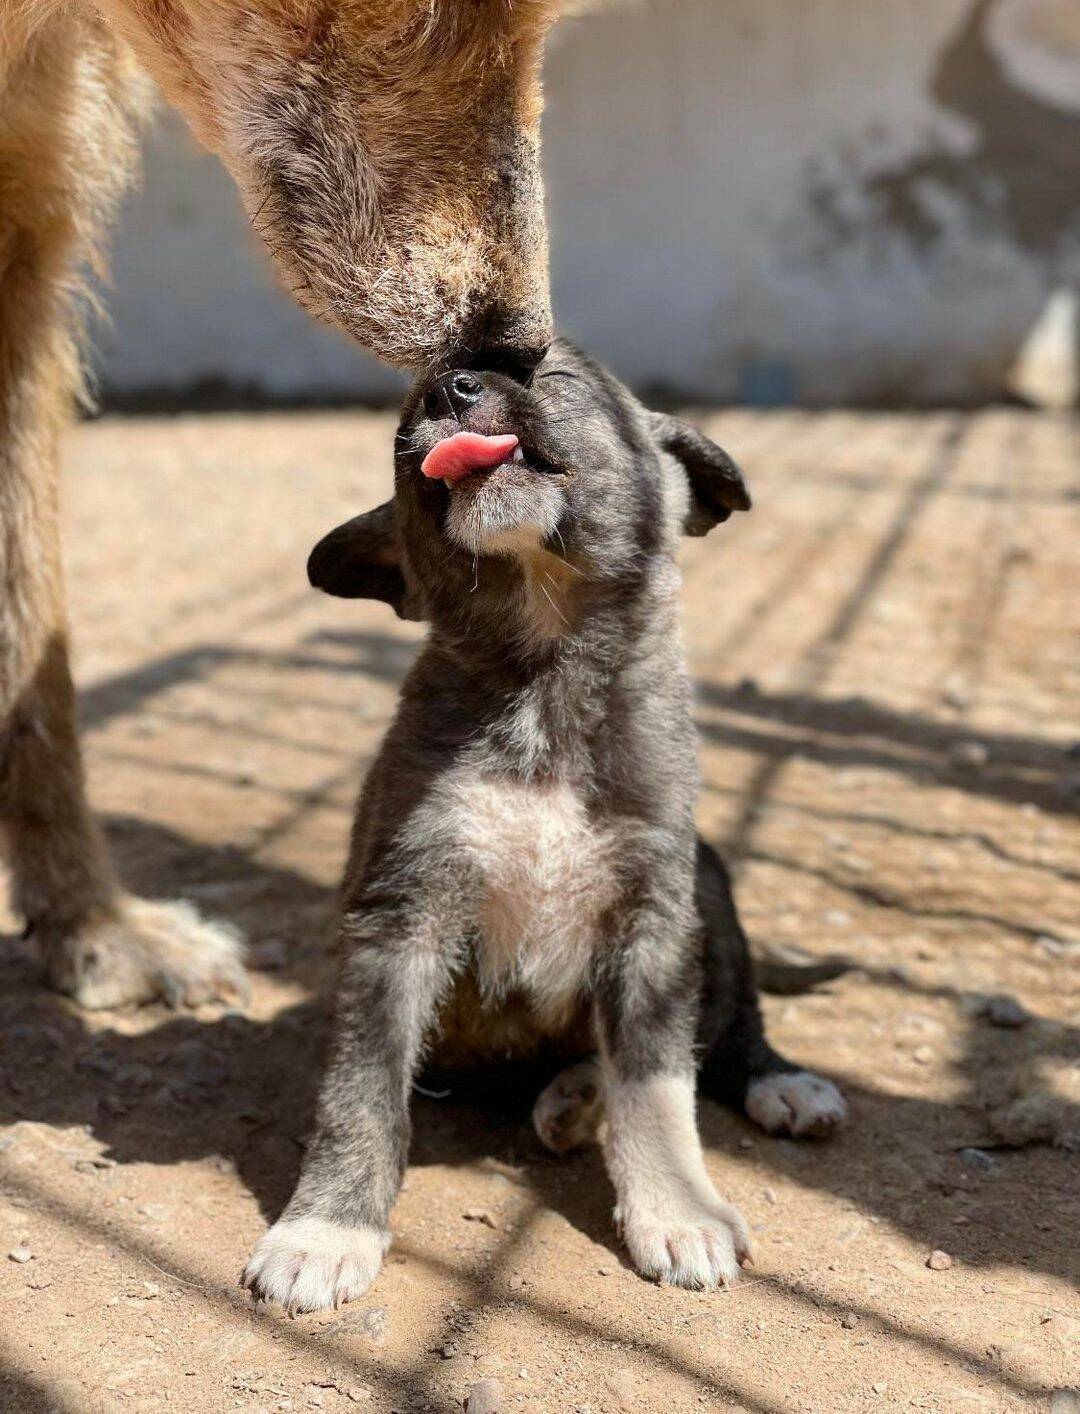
[
  {"x": 568, "y": 1112},
  {"x": 67, "y": 98},
  {"x": 738, "y": 1066},
  {"x": 328, "y": 1244}
]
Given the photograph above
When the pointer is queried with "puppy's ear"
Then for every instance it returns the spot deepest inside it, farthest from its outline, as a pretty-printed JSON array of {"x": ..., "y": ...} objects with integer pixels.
[
  {"x": 363, "y": 559},
  {"x": 716, "y": 484}
]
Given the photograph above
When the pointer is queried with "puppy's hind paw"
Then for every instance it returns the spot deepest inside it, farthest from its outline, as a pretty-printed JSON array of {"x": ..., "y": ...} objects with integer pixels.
[
  {"x": 568, "y": 1112},
  {"x": 798, "y": 1103},
  {"x": 309, "y": 1264}
]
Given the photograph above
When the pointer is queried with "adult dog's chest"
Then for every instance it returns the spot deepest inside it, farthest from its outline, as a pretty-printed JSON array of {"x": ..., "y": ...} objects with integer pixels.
[{"x": 544, "y": 874}]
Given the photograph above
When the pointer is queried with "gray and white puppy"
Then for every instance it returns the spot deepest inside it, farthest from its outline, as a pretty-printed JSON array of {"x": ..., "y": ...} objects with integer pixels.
[{"x": 525, "y": 875}]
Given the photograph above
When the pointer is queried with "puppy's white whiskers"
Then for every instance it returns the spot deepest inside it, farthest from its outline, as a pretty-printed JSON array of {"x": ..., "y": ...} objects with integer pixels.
[{"x": 548, "y": 597}]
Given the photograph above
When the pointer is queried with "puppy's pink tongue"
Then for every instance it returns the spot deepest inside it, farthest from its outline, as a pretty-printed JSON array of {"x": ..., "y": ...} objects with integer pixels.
[{"x": 465, "y": 452}]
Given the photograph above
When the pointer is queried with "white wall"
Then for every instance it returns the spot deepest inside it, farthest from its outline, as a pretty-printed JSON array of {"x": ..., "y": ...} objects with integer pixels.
[{"x": 825, "y": 200}]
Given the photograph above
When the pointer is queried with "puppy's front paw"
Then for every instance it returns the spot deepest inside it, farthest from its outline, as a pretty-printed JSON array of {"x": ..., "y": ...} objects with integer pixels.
[
  {"x": 308, "y": 1264},
  {"x": 798, "y": 1103},
  {"x": 690, "y": 1243}
]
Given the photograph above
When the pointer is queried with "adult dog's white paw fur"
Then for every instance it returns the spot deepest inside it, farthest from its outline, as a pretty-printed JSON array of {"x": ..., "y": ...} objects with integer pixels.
[
  {"x": 309, "y": 1264},
  {"x": 798, "y": 1103},
  {"x": 693, "y": 1244},
  {"x": 146, "y": 950}
]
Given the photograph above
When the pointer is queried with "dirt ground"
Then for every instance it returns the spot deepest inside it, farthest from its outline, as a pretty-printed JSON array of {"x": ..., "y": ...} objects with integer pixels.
[{"x": 888, "y": 675}]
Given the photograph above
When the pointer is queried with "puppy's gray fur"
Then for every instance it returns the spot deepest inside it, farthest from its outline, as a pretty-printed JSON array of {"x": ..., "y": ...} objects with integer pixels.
[{"x": 525, "y": 873}]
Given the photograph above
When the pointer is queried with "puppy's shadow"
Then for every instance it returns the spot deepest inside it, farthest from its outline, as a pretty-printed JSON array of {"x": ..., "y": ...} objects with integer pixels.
[
  {"x": 487, "y": 1118},
  {"x": 156, "y": 1087}
]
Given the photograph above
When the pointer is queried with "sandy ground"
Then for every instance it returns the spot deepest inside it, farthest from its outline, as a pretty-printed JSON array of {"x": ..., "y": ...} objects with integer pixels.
[{"x": 888, "y": 675}]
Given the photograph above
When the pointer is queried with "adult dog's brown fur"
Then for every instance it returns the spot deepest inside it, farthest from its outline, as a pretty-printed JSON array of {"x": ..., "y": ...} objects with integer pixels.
[{"x": 387, "y": 153}]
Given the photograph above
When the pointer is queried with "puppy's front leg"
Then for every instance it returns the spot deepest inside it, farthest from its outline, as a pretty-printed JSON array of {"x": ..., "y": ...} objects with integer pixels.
[
  {"x": 328, "y": 1244},
  {"x": 671, "y": 1218}
]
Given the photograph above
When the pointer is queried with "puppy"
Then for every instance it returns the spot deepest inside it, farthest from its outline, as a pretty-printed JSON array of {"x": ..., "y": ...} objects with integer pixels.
[{"x": 525, "y": 877}]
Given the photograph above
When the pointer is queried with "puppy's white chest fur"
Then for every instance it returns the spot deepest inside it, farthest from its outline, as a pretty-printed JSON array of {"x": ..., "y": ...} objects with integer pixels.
[{"x": 547, "y": 876}]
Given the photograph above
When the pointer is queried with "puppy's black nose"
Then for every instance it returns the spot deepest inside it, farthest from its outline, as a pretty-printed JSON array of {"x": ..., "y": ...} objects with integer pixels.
[{"x": 452, "y": 394}]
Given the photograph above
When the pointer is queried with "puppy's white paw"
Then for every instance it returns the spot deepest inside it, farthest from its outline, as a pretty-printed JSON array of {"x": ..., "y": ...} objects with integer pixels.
[
  {"x": 798, "y": 1103},
  {"x": 568, "y": 1112},
  {"x": 693, "y": 1244},
  {"x": 148, "y": 950},
  {"x": 308, "y": 1264}
]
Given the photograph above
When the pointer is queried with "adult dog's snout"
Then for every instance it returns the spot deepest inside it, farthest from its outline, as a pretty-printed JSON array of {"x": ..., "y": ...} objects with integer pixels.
[
  {"x": 503, "y": 339},
  {"x": 452, "y": 395}
]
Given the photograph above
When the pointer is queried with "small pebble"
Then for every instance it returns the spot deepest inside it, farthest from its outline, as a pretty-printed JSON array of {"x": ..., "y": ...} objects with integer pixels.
[
  {"x": 270, "y": 955},
  {"x": 485, "y": 1397},
  {"x": 1057, "y": 947},
  {"x": 20, "y": 1254},
  {"x": 769, "y": 1195},
  {"x": 880, "y": 1386},
  {"x": 939, "y": 1261},
  {"x": 977, "y": 1159},
  {"x": 93, "y": 1165},
  {"x": 134, "y": 1074},
  {"x": 972, "y": 754},
  {"x": 199, "y": 1064},
  {"x": 746, "y": 1143},
  {"x": 955, "y": 694},
  {"x": 480, "y": 1215},
  {"x": 621, "y": 1385},
  {"x": 1005, "y": 1011},
  {"x": 849, "y": 1320}
]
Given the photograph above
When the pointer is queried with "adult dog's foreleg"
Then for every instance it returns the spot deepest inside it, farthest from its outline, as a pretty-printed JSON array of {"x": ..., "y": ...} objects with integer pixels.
[
  {"x": 674, "y": 1224},
  {"x": 328, "y": 1244},
  {"x": 65, "y": 144}
]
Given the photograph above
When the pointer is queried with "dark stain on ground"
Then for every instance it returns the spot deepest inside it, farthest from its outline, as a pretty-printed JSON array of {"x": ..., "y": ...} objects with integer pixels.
[{"x": 1022, "y": 178}]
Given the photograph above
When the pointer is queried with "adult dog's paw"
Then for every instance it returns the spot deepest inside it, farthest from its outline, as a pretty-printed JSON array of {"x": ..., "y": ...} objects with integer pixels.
[
  {"x": 798, "y": 1103},
  {"x": 148, "y": 951},
  {"x": 689, "y": 1243},
  {"x": 568, "y": 1112},
  {"x": 308, "y": 1264}
]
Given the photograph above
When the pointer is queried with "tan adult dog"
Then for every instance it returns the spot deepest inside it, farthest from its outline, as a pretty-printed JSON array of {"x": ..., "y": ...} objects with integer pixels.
[{"x": 387, "y": 153}]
